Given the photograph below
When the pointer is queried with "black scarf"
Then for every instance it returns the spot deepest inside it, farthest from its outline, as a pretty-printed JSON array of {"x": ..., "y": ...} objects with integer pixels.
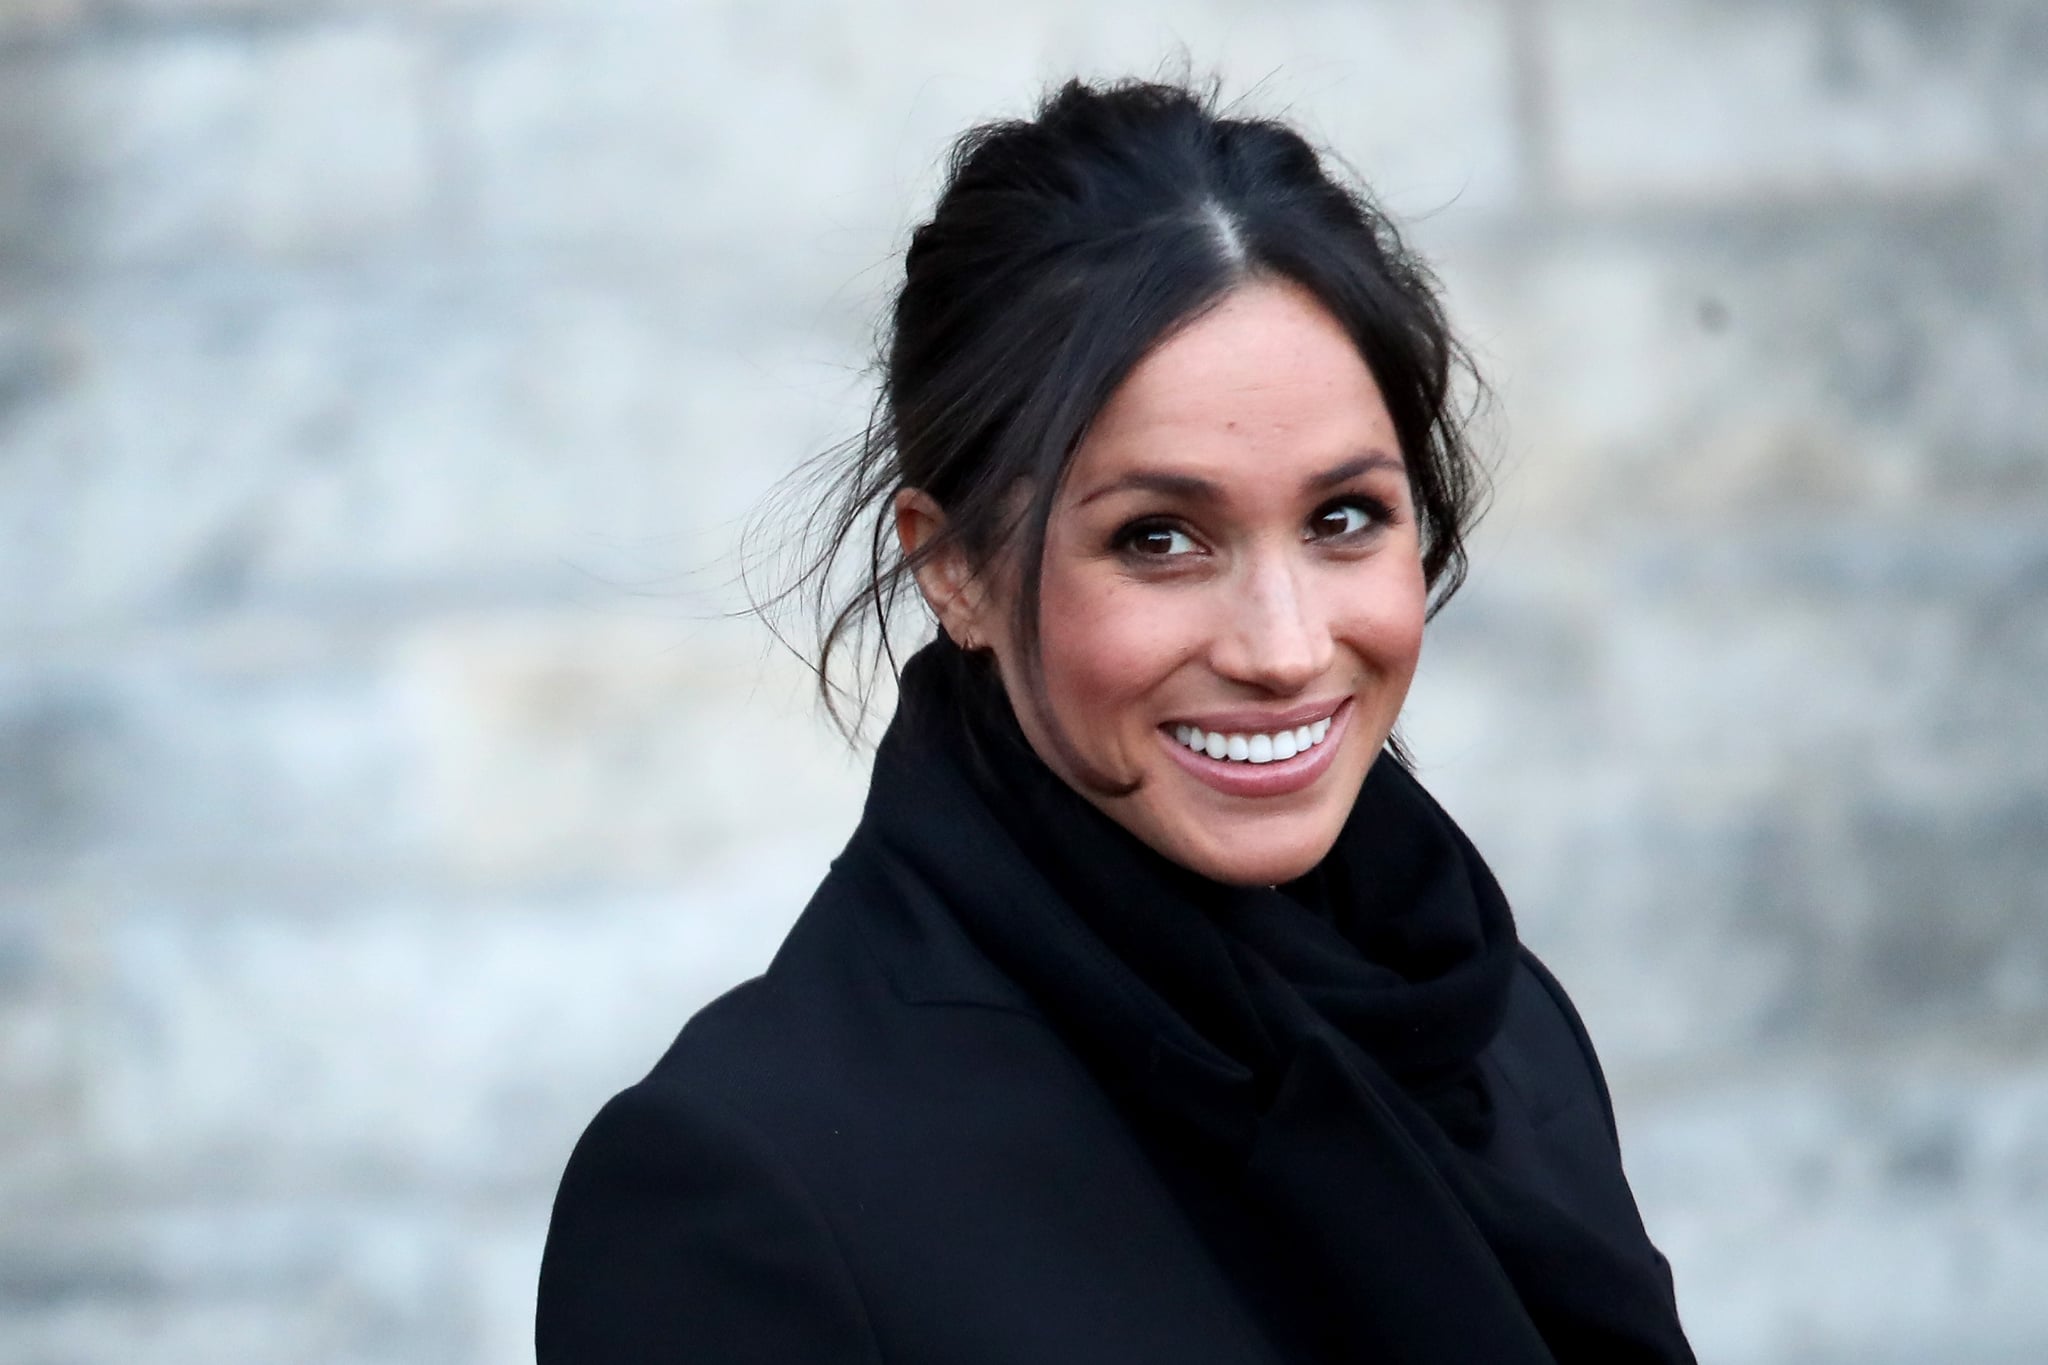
[{"x": 1310, "y": 1048}]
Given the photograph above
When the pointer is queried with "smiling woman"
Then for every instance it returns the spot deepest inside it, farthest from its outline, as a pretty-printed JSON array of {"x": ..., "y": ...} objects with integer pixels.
[
  {"x": 1154, "y": 1010},
  {"x": 1233, "y": 551}
]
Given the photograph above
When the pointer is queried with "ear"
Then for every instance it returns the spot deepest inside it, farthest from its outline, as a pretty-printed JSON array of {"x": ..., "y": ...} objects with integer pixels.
[{"x": 950, "y": 586}]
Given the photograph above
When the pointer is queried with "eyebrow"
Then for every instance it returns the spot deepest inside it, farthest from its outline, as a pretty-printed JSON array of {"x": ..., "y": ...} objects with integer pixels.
[{"x": 1194, "y": 488}]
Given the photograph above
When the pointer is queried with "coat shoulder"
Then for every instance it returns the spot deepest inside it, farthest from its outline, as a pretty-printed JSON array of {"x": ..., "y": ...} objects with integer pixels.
[
  {"x": 717, "y": 1202},
  {"x": 877, "y": 1130},
  {"x": 875, "y": 996},
  {"x": 677, "y": 1223}
]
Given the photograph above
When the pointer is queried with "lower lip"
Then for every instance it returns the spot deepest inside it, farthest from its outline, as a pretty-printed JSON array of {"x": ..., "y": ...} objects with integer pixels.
[{"x": 1277, "y": 778}]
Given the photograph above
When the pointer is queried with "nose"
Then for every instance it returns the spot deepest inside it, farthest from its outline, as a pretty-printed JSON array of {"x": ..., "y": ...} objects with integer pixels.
[{"x": 1274, "y": 635}]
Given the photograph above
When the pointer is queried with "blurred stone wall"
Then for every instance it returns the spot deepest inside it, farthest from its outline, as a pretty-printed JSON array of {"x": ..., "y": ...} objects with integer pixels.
[{"x": 382, "y": 779}]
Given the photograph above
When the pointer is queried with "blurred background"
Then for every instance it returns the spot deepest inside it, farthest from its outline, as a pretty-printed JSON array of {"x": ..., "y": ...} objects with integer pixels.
[{"x": 383, "y": 778}]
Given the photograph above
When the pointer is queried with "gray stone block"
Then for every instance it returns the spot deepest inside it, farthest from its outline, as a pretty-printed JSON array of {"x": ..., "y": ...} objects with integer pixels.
[
  {"x": 620, "y": 135},
  {"x": 40, "y": 182},
  {"x": 240, "y": 1046},
  {"x": 217, "y": 142},
  {"x": 313, "y": 1279},
  {"x": 489, "y": 750},
  {"x": 40, "y": 1060},
  {"x": 1886, "y": 1209},
  {"x": 1700, "y": 103},
  {"x": 621, "y": 752},
  {"x": 1828, "y": 364},
  {"x": 1777, "y": 790},
  {"x": 26, "y": 20},
  {"x": 220, "y": 760},
  {"x": 282, "y": 438},
  {"x": 818, "y": 156}
]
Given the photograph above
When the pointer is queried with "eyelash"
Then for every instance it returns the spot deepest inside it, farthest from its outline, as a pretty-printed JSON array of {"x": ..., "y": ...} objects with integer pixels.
[{"x": 1378, "y": 514}]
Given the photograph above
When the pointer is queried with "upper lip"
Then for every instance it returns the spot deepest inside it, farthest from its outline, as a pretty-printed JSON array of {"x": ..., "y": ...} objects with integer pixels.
[{"x": 1262, "y": 722}]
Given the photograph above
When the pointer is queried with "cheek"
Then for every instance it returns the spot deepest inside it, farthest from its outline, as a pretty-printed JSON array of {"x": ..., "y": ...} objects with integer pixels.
[
  {"x": 1382, "y": 615},
  {"x": 1106, "y": 644},
  {"x": 1404, "y": 642},
  {"x": 1403, "y": 625}
]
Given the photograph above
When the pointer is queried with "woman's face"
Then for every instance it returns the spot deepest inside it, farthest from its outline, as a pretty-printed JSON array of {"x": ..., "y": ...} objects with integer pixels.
[{"x": 1232, "y": 591}]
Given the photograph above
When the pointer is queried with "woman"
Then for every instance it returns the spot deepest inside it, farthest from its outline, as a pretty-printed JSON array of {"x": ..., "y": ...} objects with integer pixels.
[{"x": 1154, "y": 1012}]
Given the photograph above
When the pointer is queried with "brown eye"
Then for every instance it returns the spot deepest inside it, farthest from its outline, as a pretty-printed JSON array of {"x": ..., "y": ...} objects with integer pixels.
[
  {"x": 1352, "y": 517},
  {"x": 1154, "y": 540}
]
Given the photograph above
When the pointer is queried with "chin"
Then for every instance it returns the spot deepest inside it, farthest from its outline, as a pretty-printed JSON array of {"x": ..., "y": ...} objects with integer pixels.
[
  {"x": 1238, "y": 842},
  {"x": 1256, "y": 859}
]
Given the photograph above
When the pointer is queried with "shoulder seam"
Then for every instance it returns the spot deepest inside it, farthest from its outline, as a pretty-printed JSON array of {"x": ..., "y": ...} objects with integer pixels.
[{"x": 1555, "y": 990}]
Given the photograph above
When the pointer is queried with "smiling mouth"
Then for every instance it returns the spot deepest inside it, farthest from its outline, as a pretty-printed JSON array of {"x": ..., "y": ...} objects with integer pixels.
[
  {"x": 1257, "y": 747},
  {"x": 1259, "y": 764}
]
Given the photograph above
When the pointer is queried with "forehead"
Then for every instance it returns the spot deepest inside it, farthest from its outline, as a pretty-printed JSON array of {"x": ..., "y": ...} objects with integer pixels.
[{"x": 1264, "y": 383}]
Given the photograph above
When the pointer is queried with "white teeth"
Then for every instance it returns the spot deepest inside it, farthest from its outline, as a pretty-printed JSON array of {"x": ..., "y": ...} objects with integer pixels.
[{"x": 1276, "y": 747}]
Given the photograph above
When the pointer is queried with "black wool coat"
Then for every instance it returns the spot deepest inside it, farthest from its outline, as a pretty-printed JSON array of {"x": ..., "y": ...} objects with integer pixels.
[{"x": 881, "y": 1151}]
